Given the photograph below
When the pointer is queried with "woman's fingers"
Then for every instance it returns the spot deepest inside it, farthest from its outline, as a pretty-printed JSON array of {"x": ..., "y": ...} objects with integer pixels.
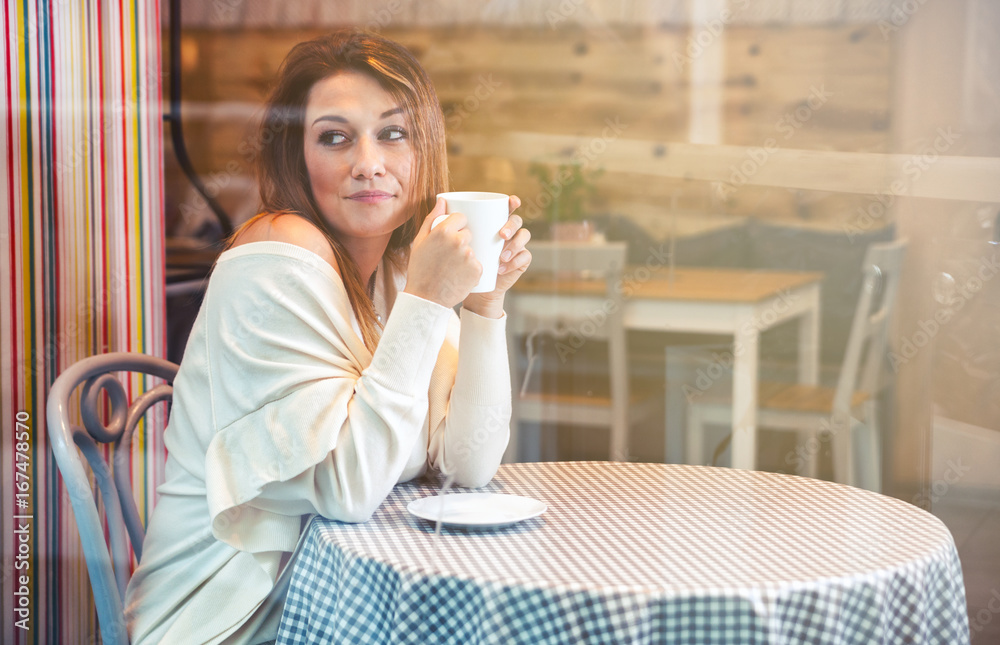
[
  {"x": 514, "y": 252},
  {"x": 454, "y": 222},
  {"x": 512, "y": 226},
  {"x": 428, "y": 223},
  {"x": 513, "y": 246},
  {"x": 442, "y": 267},
  {"x": 513, "y": 202},
  {"x": 437, "y": 211},
  {"x": 519, "y": 262}
]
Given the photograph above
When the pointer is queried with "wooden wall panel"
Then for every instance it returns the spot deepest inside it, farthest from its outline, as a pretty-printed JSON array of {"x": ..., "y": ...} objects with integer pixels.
[{"x": 574, "y": 81}]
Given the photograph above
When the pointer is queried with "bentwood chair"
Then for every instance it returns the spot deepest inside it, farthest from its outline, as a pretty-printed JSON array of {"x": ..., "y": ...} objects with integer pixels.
[
  {"x": 561, "y": 318},
  {"x": 844, "y": 411},
  {"x": 109, "y": 570}
]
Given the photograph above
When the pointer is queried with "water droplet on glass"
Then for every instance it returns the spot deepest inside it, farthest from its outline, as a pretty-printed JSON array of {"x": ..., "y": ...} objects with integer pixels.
[
  {"x": 985, "y": 215},
  {"x": 943, "y": 288}
]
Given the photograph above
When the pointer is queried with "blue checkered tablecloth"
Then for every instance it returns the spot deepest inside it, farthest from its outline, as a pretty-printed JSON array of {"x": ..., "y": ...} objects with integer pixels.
[{"x": 636, "y": 553}]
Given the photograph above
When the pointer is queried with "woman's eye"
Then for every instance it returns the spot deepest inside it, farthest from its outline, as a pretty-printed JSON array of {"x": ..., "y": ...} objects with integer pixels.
[
  {"x": 332, "y": 138},
  {"x": 393, "y": 134}
]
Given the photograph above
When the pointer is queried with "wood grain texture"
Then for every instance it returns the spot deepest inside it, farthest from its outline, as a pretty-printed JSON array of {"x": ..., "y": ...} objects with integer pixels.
[
  {"x": 517, "y": 95},
  {"x": 704, "y": 285}
]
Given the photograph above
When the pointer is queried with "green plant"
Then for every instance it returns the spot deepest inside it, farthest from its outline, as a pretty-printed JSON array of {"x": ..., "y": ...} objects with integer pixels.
[{"x": 566, "y": 189}]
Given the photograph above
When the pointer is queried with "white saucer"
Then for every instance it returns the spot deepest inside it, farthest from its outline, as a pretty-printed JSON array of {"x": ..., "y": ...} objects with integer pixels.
[{"x": 476, "y": 510}]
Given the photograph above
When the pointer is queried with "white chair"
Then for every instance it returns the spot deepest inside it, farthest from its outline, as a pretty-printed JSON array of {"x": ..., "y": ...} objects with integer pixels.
[
  {"x": 571, "y": 319},
  {"x": 107, "y": 580},
  {"x": 844, "y": 411}
]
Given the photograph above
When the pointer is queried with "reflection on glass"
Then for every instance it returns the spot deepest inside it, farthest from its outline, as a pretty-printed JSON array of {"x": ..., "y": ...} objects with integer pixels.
[{"x": 754, "y": 137}]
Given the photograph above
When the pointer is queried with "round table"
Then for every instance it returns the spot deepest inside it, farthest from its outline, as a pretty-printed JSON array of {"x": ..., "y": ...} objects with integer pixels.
[{"x": 636, "y": 553}]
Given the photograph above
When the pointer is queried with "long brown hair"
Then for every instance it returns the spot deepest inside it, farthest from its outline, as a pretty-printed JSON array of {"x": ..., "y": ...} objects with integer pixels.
[{"x": 281, "y": 167}]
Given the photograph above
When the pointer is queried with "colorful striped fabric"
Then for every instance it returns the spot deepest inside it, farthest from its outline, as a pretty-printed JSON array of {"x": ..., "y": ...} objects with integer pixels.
[{"x": 82, "y": 256}]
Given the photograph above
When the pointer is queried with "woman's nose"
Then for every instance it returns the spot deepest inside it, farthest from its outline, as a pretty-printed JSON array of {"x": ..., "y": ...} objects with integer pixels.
[{"x": 368, "y": 163}]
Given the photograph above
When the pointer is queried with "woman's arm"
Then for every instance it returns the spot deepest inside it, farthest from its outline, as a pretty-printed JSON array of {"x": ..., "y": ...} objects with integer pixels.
[
  {"x": 300, "y": 424},
  {"x": 470, "y": 440},
  {"x": 470, "y": 443}
]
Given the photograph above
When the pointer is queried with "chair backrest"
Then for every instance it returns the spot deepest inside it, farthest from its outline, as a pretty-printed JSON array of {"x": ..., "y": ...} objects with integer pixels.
[
  {"x": 95, "y": 374},
  {"x": 582, "y": 258},
  {"x": 574, "y": 321},
  {"x": 864, "y": 355},
  {"x": 568, "y": 261}
]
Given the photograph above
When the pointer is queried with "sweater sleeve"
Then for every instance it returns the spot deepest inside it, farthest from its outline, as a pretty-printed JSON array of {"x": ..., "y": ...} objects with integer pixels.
[
  {"x": 470, "y": 440},
  {"x": 306, "y": 420}
]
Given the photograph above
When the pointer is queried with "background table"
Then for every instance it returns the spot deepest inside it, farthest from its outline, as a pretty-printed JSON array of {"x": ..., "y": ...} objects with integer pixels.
[
  {"x": 636, "y": 553},
  {"x": 741, "y": 303}
]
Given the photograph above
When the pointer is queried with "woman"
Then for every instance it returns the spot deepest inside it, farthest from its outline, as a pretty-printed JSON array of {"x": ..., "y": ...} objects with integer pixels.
[{"x": 325, "y": 365}]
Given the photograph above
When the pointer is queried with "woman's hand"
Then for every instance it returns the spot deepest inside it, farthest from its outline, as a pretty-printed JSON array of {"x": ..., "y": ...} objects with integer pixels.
[
  {"x": 442, "y": 267},
  {"x": 514, "y": 261}
]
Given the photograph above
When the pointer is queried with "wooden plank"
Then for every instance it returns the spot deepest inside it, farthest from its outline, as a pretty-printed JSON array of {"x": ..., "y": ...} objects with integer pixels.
[
  {"x": 758, "y": 13},
  {"x": 325, "y": 14},
  {"x": 684, "y": 283},
  {"x": 868, "y": 10},
  {"x": 959, "y": 178},
  {"x": 560, "y": 51},
  {"x": 566, "y": 82},
  {"x": 785, "y": 93},
  {"x": 811, "y": 12},
  {"x": 840, "y": 49}
]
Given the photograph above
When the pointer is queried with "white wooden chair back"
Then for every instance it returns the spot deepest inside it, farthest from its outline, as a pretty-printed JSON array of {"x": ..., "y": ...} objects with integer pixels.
[
  {"x": 863, "y": 363},
  {"x": 565, "y": 319},
  {"x": 576, "y": 260}
]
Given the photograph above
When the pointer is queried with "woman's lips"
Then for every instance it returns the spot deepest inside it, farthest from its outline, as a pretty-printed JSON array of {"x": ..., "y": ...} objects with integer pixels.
[{"x": 370, "y": 196}]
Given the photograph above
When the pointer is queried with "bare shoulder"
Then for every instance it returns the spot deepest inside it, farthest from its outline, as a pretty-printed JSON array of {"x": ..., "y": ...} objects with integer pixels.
[{"x": 289, "y": 228}]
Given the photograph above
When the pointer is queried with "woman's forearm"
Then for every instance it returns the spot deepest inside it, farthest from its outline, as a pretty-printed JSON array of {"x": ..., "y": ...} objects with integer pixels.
[
  {"x": 351, "y": 437},
  {"x": 484, "y": 304},
  {"x": 477, "y": 427}
]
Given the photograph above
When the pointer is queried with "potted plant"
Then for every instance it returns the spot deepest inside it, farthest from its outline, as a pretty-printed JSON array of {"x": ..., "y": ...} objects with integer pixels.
[{"x": 566, "y": 189}]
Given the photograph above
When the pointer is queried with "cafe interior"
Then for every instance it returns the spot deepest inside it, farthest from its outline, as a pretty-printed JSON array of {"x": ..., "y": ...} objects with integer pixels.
[{"x": 764, "y": 235}]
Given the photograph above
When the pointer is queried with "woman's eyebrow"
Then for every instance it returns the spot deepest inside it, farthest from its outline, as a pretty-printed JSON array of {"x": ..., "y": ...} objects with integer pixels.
[
  {"x": 330, "y": 117},
  {"x": 340, "y": 119}
]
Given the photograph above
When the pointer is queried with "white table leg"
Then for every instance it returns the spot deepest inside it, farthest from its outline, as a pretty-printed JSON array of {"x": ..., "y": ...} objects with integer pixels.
[
  {"x": 746, "y": 343},
  {"x": 809, "y": 338},
  {"x": 676, "y": 405},
  {"x": 809, "y": 366}
]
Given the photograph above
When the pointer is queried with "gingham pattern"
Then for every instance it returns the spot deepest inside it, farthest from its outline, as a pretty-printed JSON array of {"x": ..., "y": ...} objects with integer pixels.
[{"x": 636, "y": 553}]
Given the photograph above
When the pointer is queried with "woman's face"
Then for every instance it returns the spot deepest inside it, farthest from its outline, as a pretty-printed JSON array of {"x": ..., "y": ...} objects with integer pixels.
[{"x": 358, "y": 155}]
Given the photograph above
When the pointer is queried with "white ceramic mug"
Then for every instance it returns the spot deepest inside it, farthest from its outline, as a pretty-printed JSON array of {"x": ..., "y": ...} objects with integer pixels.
[{"x": 486, "y": 214}]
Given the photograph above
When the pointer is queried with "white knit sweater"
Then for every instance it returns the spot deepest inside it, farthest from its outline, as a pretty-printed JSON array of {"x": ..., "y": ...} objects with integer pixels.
[{"x": 281, "y": 412}]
